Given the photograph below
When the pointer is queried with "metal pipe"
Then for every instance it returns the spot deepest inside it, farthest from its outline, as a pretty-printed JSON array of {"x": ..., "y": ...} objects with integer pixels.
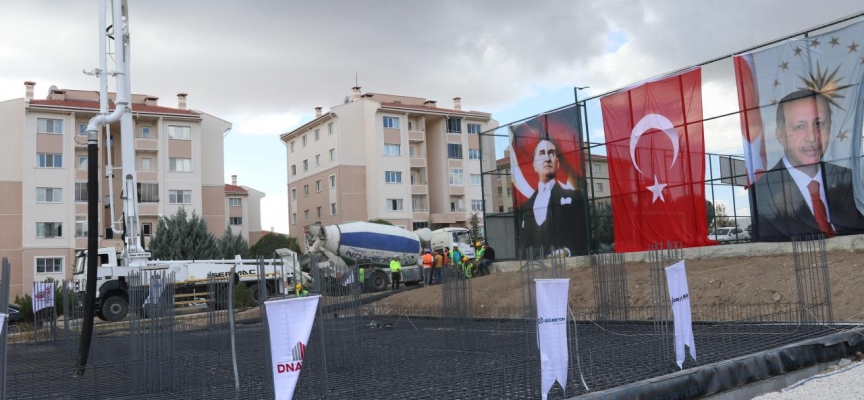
[
  {"x": 109, "y": 173},
  {"x": 103, "y": 61}
]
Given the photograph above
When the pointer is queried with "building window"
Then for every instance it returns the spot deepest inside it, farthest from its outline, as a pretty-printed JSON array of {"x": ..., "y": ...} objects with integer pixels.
[
  {"x": 294, "y": 194},
  {"x": 411, "y": 151},
  {"x": 306, "y": 214},
  {"x": 420, "y": 225},
  {"x": 293, "y": 218},
  {"x": 392, "y": 176},
  {"x": 473, "y": 154},
  {"x": 476, "y": 205},
  {"x": 145, "y": 164},
  {"x": 474, "y": 129},
  {"x": 410, "y": 126},
  {"x": 80, "y": 192},
  {"x": 46, "y": 125},
  {"x": 146, "y": 229},
  {"x": 332, "y": 208},
  {"x": 476, "y": 180},
  {"x": 456, "y": 177},
  {"x": 392, "y": 149},
  {"x": 236, "y": 221},
  {"x": 293, "y": 170},
  {"x": 597, "y": 168},
  {"x": 303, "y": 140},
  {"x": 332, "y": 154},
  {"x": 598, "y": 186},
  {"x": 330, "y": 128},
  {"x": 454, "y": 150},
  {"x": 391, "y": 122},
  {"x": 49, "y": 160},
  {"x": 180, "y": 132},
  {"x": 49, "y": 265},
  {"x": 456, "y": 206},
  {"x": 180, "y": 164},
  {"x": 235, "y": 202},
  {"x": 148, "y": 192},
  {"x": 82, "y": 162},
  {"x": 501, "y": 209},
  {"x": 292, "y": 145},
  {"x": 305, "y": 165},
  {"x": 454, "y": 125},
  {"x": 317, "y": 160},
  {"x": 145, "y": 132},
  {"x": 180, "y": 196},
  {"x": 317, "y": 134},
  {"x": 80, "y": 226},
  {"x": 320, "y": 212},
  {"x": 82, "y": 129},
  {"x": 318, "y": 186},
  {"x": 49, "y": 195},
  {"x": 305, "y": 190},
  {"x": 332, "y": 181},
  {"x": 49, "y": 229},
  {"x": 394, "y": 204},
  {"x": 508, "y": 191}
]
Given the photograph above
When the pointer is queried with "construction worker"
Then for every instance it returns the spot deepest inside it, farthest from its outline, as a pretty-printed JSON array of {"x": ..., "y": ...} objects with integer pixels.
[
  {"x": 395, "y": 272},
  {"x": 299, "y": 291},
  {"x": 487, "y": 259},
  {"x": 456, "y": 259},
  {"x": 427, "y": 267},
  {"x": 478, "y": 255},
  {"x": 362, "y": 277},
  {"x": 466, "y": 266},
  {"x": 438, "y": 265}
]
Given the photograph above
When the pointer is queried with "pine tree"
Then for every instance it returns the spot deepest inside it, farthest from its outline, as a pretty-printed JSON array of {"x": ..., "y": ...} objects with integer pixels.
[
  {"x": 476, "y": 228},
  {"x": 231, "y": 244},
  {"x": 179, "y": 238},
  {"x": 272, "y": 241}
]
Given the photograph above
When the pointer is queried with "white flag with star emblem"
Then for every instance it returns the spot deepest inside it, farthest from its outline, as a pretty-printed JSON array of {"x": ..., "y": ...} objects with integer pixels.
[{"x": 801, "y": 119}]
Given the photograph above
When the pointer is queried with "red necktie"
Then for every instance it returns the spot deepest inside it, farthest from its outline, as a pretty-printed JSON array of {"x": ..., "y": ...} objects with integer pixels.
[{"x": 819, "y": 210}]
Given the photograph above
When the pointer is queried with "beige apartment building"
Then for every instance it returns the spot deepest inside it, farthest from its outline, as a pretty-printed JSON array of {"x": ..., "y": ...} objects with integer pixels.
[
  {"x": 596, "y": 172},
  {"x": 43, "y": 177},
  {"x": 243, "y": 210},
  {"x": 398, "y": 158}
]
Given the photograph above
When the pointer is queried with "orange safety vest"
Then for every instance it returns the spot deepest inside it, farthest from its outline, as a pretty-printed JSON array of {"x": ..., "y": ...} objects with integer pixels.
[{"x": 427, "y": 261}]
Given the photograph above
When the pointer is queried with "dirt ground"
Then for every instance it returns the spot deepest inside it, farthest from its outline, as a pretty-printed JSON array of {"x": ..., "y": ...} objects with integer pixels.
[{"x": 741, "y": 280}]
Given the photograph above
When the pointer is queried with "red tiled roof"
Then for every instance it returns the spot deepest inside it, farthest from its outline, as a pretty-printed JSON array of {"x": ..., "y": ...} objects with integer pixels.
[
  {"x": 234, "y": 189},
  {"x": 434, "y": 109},
  {"x": 94, "y": 105}
]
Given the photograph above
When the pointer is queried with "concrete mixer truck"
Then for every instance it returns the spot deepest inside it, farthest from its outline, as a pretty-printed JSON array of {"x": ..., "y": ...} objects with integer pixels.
[{"x": 344, "y": 246}]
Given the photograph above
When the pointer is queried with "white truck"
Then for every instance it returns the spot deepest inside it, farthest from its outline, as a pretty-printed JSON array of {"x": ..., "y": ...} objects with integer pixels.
[
  {"x": 370, "y": 245},
  {"x": 191, "y": 279},
  {"x": 454, "y": 237}
]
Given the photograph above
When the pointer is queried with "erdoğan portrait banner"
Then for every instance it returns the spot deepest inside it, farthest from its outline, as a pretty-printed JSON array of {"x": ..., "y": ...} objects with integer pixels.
[{"x": 549, "y": 188}]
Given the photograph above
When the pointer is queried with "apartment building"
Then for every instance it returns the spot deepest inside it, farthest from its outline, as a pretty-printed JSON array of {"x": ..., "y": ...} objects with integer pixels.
[
  {"x": 43, "y": 176},
  {"x": 596, "y": 173},
  {"x": 243, "y": 210},
  {"x": 398, "y": 158}
]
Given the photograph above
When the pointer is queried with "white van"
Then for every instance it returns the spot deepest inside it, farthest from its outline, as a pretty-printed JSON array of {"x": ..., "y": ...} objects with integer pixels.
[{"x": 453, "y": 237}]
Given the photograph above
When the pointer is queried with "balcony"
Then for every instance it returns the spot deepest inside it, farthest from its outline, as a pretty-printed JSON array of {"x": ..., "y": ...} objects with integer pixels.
[
  {"x": 149, "y": 145},
  {"x": 415, "y": 135},
  {"x": 147, "y": 175}
]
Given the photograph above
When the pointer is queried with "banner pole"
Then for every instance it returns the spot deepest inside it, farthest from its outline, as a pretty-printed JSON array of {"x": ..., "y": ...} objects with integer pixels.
[{"x": 233, "y": 333}]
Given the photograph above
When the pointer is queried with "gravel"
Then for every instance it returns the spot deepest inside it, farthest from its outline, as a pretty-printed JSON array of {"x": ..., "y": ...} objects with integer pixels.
[{"x": 844, "y": 383}]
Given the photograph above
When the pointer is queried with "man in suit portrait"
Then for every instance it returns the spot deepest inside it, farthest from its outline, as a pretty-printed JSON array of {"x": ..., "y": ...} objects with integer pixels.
[
  {"x": 801, "y": 194},
  {"x": 554, "y": 216}
]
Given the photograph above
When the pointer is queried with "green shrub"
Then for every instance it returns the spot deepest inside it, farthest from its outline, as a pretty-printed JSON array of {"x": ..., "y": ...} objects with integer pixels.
[{"x": 242, "y": 296}]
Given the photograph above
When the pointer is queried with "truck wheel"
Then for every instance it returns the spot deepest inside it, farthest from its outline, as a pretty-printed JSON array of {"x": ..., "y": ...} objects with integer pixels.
[
  {"x": 115, "y": 308},
  {"x": 257, "y": 295},
  {"x": 99, "y": 315},
  {"x": 379, "y": 281}
]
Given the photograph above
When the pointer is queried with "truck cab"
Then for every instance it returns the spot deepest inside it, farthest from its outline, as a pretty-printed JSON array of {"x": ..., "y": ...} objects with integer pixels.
[{"x": 453, "y": 237}]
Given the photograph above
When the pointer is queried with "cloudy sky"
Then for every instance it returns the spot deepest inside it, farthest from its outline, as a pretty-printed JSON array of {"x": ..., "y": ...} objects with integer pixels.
[{"x": 265, "y": 65}]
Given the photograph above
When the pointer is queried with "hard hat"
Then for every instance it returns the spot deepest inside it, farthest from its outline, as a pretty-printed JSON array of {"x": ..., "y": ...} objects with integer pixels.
[
  {"x": 465, "y": 258},
  {"x": 477, "y": 244}
]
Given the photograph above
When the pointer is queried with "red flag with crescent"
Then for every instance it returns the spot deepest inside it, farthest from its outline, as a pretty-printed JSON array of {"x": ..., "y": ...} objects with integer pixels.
[{"x": 656, "y": 152}]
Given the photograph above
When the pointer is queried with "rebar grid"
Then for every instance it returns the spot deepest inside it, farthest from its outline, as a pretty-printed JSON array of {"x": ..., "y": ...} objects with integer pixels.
[
  {"x": 811, "y": 279},
  {"x": 609, "y": 278}
]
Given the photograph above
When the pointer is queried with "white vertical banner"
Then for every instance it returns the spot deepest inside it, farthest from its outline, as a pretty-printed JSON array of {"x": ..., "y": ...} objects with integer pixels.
[
  {"x": 676, "y": 278},
  {"x": 290, "y": 322},
  {"x": 155, "y": 290},
  {"x": 552, "y": 295},
  {"x": 43, "y": 295}
]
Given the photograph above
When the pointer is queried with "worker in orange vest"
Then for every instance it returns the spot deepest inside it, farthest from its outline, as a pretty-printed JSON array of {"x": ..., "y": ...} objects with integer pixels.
[{"x": 427, "y": 267}]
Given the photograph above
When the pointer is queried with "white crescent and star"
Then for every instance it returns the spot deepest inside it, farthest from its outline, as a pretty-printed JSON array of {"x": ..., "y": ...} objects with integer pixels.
[{"x": 661, "y": 123}]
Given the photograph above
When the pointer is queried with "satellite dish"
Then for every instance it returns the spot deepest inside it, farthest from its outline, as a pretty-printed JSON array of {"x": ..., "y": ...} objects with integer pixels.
[{"x": 347, "y": 99}]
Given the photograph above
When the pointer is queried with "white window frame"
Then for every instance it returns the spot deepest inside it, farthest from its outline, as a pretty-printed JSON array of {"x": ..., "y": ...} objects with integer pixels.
[
  {"x": 329, "y": 129},
  {"x": 332, "y": 208},
  {"x": 317, "y": 135},
  {"x": 235, "y": 202},
  {"x": 293, "y": 218},
  {"x": 56, "y": 126},
  {"x": 332, "y": 181},
  {"x": 305, "y": 165},
  {"x": 332, "y": 154},
  {"x": 148, "y": 192},
  {"x": 293, "y": 170},
  {"x": 147, "y": 229},
  {"x": 457, "y": 177},
  {"x": 389, "y": 147},
  {"x": 79, "y": 192},
  {"x": 179, "y": 164},
  {"x": 149, "y": 164},
  {"x": 306, "y": 214},
  {"x": 56, "y": 195},
  {"x": 56, "y": 160},
  {"x": 82, "y": 162},
  {"x": 318, "y": 186},
  {"x": 598, "y": 186},
  {"x": 305, "y": 190},
  {"x": 476, "y": 179},
  {"x": 317, "y": 160},
  {"x": 54, "y": 226},
  {"x": 320, "y": 211},
  {"x": 177, "y": 194},
  {"x": 303, "y": 140},
  {"x": 597, "y": 168},
  {"x": 473, "y": 154},
  {"x": 179, "y": 132},
  {"x": 459, "y": 156},
  {"x": 391, "y": 122},
  {"x": 393, "y": 177},
  {"x": 235, "y": 221},
  {"x": 477, "y": 205},
  {"x": 81, "y": 226},
  {"x": 146, "y": 132},
  {"x": 54, "y": 262},
  {"x": 474, "y": 129},
  {"x": 293, "y": 142},
  {"x": 82, "y": 128},
  {"x": 294, "y": 194},
  {"x": 394, "y": 205}
]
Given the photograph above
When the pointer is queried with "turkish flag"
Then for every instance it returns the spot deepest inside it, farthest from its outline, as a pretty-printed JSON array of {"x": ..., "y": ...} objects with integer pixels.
[
  {"x": 656, "y": 153},
  {"x": 752, "y": 129}
]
